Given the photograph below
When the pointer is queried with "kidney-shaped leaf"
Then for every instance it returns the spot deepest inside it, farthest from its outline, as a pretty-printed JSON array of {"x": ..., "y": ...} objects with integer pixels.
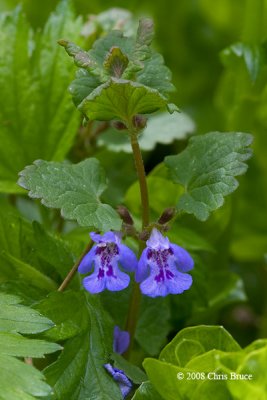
[
  {"x": 74, "y": 188},
  {"x": 121, "y": 99},
  {"x": 207, "y": 170}
]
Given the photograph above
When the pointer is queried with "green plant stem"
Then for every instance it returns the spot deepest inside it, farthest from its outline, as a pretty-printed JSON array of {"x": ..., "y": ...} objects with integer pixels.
[
  {"x": 73, "y": 270},
  {"x": 135, "y": 301},
  {"x": 139, "y": 165}
]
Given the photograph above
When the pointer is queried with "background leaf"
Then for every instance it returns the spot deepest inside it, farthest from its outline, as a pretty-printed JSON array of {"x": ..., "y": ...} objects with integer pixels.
[{"x": 37, "y": 118}]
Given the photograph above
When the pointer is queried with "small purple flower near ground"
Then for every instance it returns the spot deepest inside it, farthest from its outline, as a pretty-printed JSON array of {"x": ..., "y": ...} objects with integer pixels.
[
  {"x": 119, "y": 376},
  {"x": 105, "y": 257},
  {"x": 162, "y": 266},
  {"x": 121, "y": 340}
]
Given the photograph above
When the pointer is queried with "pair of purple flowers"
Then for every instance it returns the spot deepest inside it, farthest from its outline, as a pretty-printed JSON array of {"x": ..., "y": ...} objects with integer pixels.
[{"x": 160, "y": 271}]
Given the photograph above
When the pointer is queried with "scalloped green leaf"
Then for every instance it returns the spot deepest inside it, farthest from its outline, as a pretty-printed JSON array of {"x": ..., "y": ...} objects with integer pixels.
[
  {"x": 207, "y": 170},
  {"x": 156, "y": 75},
  {"x": 118, "y": 56},
  {"x": 121, "y": 99},
  {"x": 73, "y": 188}
]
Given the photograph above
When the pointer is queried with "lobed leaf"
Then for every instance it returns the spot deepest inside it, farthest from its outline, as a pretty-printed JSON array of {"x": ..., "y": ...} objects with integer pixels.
[
  {"x": 75, "y": 189},
  {"x": 206, "y": 169}
]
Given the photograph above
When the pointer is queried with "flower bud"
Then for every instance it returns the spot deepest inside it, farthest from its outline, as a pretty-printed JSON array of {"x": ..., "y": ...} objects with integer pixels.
[
  {"x": 119, "y": 125},
  {"x": 125, "y": 215},
  {"x": 167, "y": 215},
  {"x": 139, "y": 121}
]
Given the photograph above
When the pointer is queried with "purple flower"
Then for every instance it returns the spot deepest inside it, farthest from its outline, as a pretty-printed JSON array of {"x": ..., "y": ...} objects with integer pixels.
[
  {"x": 105, "y": 257},
  {"x": 162, "y": 267},
  {"x": 121, "y": 340},
  {"x": 119, "y": 376}
]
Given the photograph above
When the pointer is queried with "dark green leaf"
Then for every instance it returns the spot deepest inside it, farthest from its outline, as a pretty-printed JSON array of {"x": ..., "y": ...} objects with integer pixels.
[
  {"x": 16, "y": 345},
  {"x": 156, "y": 75},
  {"x": 27, "y": 382},
  {"x": 153, "y": 325},
  {"x": 132, "y": 371},
  {"x": 206, "y": 169},
  {"x": 79, "y": 372},
  {"x": 67, "y": 312},
  {"x": 29, "y": 273},
  {"x": 75, "y": 189},
  {"x": 83, "y": 85},
  {"x": 15, "y": 317},
  {"x": 53, "y": 250},
  {"x": 121, "y": 99}
]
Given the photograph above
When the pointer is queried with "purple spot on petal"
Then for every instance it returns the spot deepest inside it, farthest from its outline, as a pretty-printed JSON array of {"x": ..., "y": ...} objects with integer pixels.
[
  {"x": 110, "y": 271},
  {"x": 149, "y": 254},
  {"x": 160, "y": 277},
  {"x": 169, "y": 274},
  {"x": 101, "y": 273}
]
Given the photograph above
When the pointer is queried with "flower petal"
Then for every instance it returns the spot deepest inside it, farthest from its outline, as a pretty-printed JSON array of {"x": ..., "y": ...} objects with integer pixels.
[
  {"x": 127, "y": 258},
  {"x": 183, "y": 261},
  {"x": 93, "y": 284},
  {"x": 119, "y": 376},
  {"x": 118, "y": 281},
  {"x": 121, "y": 340},
  {"x": 87, "y": 262},
  {"x": 179, "y": 283},
  {"x": 150, "y": 287},
  {"x": 143, "y": 269},
  {"x": 158, "y": 241}
]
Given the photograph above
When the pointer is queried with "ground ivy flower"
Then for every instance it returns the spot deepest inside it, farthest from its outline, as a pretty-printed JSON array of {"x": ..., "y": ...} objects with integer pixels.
[
  {"x": 162, "y": 267},
  {"x": 105, "y": 257},
  {"x": 121, "y": 340},
  {"x": 119, "y": 376}
]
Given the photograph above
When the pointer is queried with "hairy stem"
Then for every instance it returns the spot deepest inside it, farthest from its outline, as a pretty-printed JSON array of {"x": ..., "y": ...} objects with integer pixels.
[
  {"x": 73, "y": 270},
  {"x": 135, "y": 302}
]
